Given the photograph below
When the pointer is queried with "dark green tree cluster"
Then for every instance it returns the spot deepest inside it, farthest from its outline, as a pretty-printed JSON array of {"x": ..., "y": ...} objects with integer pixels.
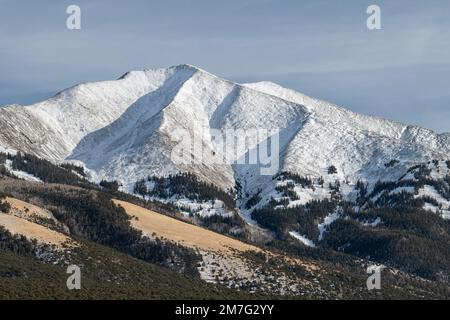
[
  {"x": 230, "y": 225},
  {"x": 414, "y": 241},
  {"x": 44, "y": 170},
  {"x": 184, "y": 185},
  {"x": 287, "y": 190},
  {"x": 383, "y": 194},
  {"x": 253, "y": 200},
  {"x": 296, "y": 178},
  {"x": 16, "y": 243},
  {"x": 391, "y": 163},
  {"x": 303, "y": 219},
  {"x": 332, "y": 170},
  {"x": 110, "y": 185},
  {"x": 4, "y": 206},
  {"x": 73, "y": 167}
]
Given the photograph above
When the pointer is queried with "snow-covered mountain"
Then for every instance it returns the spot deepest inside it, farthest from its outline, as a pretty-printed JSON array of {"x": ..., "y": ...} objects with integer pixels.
[{"x": 127, "y": 129}]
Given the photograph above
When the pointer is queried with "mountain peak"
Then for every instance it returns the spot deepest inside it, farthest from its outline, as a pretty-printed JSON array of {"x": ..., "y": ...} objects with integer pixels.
[
  {"x": 186, "y": 66},
  {"x": 110, "y": 124},
  {"x": 178, "y": 67}
]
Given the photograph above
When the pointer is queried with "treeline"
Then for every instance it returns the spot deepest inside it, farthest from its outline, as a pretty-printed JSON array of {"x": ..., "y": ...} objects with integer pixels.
[
  {"x": 73, "y": 167},
  {"x": 382, "y": 191},
  {"x": 44, "y": 170},
  {"x": 184, "y": 185},
  {"x": 230, "y": 225},
  {"x": 287, "y": 190},
  {"x": 296, "y": 178},
  {"x": 289, "y": 181}
]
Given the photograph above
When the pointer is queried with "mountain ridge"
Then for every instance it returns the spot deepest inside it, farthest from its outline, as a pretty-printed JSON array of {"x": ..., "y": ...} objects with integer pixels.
[{"x": 251, "y": 85}]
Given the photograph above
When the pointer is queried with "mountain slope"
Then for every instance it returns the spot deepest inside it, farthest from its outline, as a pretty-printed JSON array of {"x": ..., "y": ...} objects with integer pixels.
[
  {"x": 107, "y": 273},
  {"x": 52, "y": 129},
  {"x": 128, "y": 129}
]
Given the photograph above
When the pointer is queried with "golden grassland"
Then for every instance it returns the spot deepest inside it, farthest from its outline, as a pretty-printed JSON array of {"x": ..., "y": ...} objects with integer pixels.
[
  {"x": 20, "y": 225},
  {"x": 28, "y": 208},
  {"x": 151, "y": 222},
  {"x": 32, "y": 230}
]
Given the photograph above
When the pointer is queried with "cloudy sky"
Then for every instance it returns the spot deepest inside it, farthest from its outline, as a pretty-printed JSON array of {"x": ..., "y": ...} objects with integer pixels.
[{"x": 320, "y": 47}]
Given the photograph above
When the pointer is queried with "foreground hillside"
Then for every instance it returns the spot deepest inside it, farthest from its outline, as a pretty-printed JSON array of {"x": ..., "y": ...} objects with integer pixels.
[
  {"x": 106, "y": 274},
  {"x": 126, "y": 249}
]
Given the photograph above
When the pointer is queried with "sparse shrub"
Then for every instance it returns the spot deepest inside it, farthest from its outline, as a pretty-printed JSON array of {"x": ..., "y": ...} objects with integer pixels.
[
  {"x": 4, "y": 206},
  {"x": 391, "y": 163},
  {"x": 332, "y": 170}
]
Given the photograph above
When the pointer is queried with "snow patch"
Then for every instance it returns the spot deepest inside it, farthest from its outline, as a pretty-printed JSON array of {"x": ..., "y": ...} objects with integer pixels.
[
  {"x": 20, "y": 174},
  {"x": 7, "y": 150},
  {"x": 324, "y": 226},
  {"x": 430, "y": 191},
  {"x": 402, "y": 189},
  {"x": 303, "y": 239},
  {"x": 374, "y": 223}
]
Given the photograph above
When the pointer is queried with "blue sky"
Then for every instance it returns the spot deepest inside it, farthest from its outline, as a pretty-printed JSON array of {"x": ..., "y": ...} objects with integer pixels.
[{"x": 320, "y": 47}]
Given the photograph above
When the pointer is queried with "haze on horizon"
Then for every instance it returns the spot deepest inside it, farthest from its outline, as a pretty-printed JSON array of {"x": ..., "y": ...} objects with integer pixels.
[{"x": 319, "y": 47}]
